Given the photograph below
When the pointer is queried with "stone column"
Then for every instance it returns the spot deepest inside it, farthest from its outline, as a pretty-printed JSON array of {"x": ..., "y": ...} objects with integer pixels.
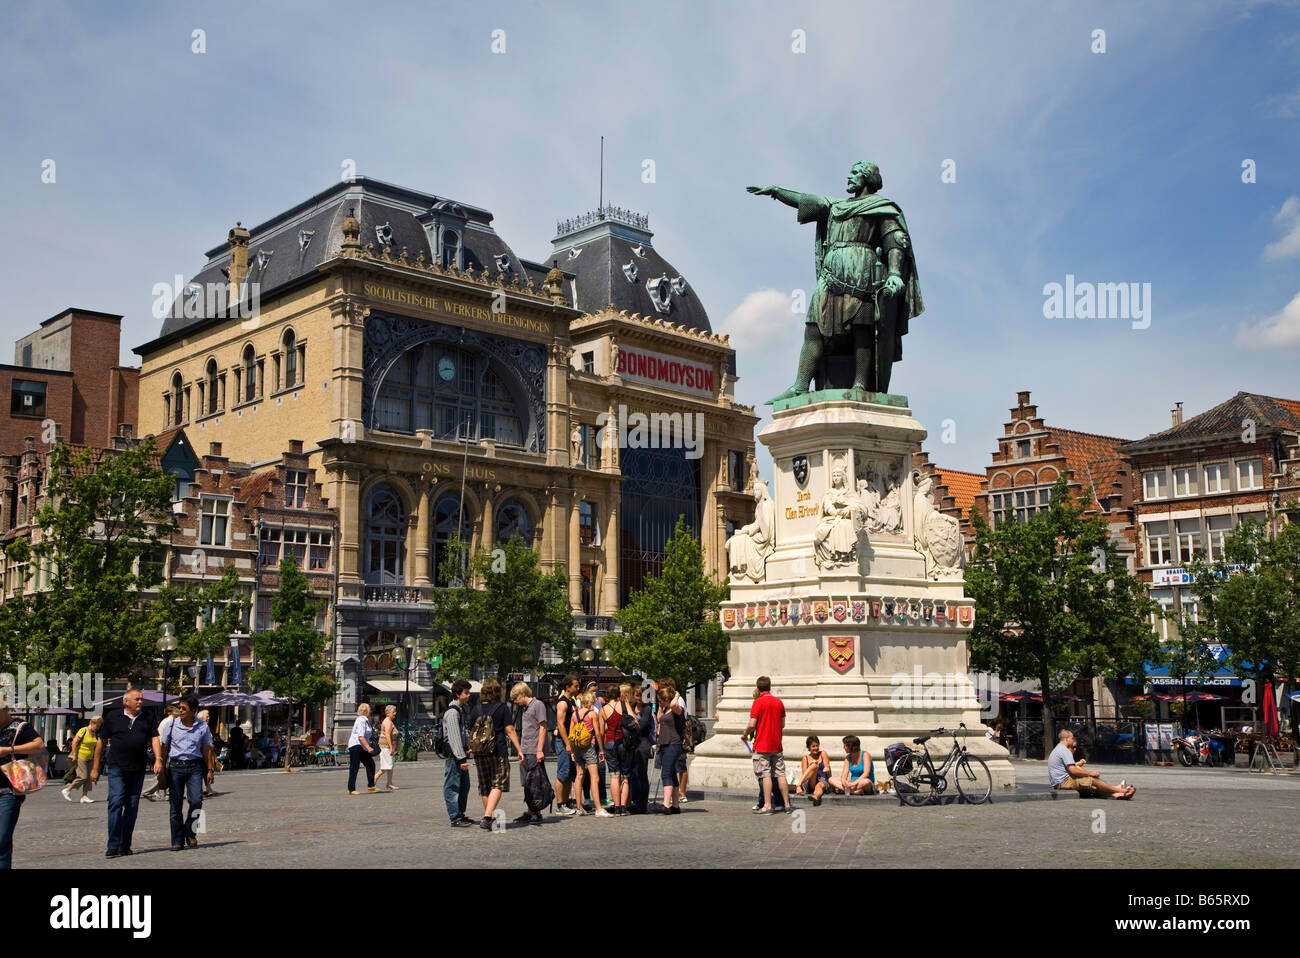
[
  {"x": 423, "y": 537},
  {"x": 608, "y": 601},
  {"x": 409, "y": 570},
  {"x": 575, "y": 554},
  {"x": 346, "y": 493}
]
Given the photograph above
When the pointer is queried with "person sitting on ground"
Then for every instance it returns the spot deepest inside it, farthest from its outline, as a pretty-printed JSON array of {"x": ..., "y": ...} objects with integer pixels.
[
  {"x": 1065, "y": 772},
  {"x": 814, "y": 771},
  {"x": 857, "y": 774}
]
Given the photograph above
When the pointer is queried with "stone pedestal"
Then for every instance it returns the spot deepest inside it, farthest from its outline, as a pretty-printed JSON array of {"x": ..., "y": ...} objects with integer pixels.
[{"x": 861, "y": 631}]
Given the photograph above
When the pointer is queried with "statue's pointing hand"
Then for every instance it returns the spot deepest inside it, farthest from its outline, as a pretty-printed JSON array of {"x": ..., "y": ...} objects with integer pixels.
[{"x": 760, "y": 190}]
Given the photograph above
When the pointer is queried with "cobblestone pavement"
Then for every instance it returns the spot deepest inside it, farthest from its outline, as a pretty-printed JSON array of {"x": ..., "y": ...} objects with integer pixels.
[{"x": 269, "y": 819}]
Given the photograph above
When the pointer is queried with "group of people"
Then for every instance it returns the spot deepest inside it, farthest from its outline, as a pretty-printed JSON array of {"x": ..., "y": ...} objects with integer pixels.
[
  {"x": 367, "y": 742},
  {"x": 619, "y": 733}
]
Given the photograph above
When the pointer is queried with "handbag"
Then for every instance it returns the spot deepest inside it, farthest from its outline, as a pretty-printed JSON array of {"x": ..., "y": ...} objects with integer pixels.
[{"x": 24, "y": 775}]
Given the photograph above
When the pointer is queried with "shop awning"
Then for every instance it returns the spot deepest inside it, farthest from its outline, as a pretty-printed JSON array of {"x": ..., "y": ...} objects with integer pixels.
[
  {"x": 1222, "y": 676},
  {"x": 396, "y": 685}
]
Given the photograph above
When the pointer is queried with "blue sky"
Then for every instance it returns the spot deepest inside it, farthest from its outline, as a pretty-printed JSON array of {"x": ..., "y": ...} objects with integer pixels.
[{"x": 1122, "y": 166}]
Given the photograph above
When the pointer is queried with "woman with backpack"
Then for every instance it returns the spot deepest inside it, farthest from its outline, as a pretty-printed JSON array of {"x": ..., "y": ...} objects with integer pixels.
[
  {"x": 491, "y": 733},
  {"x": 587, "y": 736},
  {"x": 622, "y": 735},
  {"x": 670, "y": 736}
]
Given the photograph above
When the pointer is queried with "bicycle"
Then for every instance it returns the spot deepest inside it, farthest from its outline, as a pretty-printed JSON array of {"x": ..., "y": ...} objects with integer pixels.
[{"x": 917, "y": 782}]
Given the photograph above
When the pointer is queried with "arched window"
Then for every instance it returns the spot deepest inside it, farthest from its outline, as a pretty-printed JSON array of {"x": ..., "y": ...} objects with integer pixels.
[
  {"x": 211, "y": 376},
  {"x": 447, "y": 513},
  {"x": 178, "y": 401},
  {"x": 250, "y": 373},
  {"x": 455, "y": 393},
  {"x": 450, "y": 249},
  {"x": 290, "y": 359},
  {"x": 381, "y": 653},
  {"x": 512, "y": 520},
  {"x": 385, "y": 537}
]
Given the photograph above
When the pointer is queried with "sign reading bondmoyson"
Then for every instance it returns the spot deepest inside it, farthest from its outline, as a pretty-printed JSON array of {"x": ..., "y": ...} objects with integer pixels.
[{"x": 642, "y": 365}]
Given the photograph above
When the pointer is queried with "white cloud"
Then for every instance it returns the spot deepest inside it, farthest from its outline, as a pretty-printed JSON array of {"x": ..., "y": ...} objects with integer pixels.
[
  {"x": 1289, "y": 218},
  {"x": 762, "y": 316},
  {"x": 1280, "y": 329}
]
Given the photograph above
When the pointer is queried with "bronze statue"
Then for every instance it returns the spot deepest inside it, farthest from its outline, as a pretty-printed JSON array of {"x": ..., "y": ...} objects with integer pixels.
[{"x": 866, "y": 290}]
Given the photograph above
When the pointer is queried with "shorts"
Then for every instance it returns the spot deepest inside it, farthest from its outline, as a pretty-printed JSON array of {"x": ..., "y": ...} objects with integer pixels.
[
  {"x": 618, "y": 761},
  {"x": 493, "y": 772},
  {"x": 1078, "y": 783},
  {"x": 385, "y": 759},
  {"x": 767, "y": 764},
  {"x": 564, "y": 768},
  {"x": 681, "y": 762},
  {"x": 582, "y": 757}
]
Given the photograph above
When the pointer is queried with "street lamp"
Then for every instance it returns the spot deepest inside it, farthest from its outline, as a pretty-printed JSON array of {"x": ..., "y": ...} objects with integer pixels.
[
  {"x": 166, "y": 645},
  {"x": 409, "y": 643},
  {"x": 598, "y": 645}
]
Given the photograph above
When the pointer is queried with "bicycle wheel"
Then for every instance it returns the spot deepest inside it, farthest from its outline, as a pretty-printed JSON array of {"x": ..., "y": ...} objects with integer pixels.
[
  {"x": 914, "y": 788},
  {"x": 974, "y": 780}
]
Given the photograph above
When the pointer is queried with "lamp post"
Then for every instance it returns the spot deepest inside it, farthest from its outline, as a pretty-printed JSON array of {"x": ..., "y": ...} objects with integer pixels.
[
  {"x": 409, "y": 643},
  {"x": 166, "y": 645}
]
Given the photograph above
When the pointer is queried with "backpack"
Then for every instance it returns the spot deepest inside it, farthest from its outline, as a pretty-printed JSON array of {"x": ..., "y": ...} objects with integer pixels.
[
  {"x": 579, "y": 734},
  {"x": 538, "y": 792},
  {"x": 631, "y": 731},
  {"x": 694, "y": 733},
  {"x": 440, "y": 744},
  {"x": 898, "y": 759},
  {"x": 483, "y": 737}
]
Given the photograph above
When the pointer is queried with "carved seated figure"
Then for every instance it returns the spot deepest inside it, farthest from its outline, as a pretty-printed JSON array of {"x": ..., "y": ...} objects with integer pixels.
[
  {"x": 748, "y": 549},
  {"x": 839, "y": 519},
  {"x": 938, "y": 536}
]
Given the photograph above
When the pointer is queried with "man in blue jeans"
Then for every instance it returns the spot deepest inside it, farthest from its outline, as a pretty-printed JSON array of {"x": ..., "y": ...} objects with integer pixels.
[
  {"x": 455, "y": 781},
  {"x": 127, "y": 735},
  {"x": 187, "y": 750}
]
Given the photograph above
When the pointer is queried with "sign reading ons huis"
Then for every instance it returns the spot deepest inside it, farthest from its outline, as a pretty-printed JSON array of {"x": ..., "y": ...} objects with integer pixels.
[{"x": 681, "y": 375}]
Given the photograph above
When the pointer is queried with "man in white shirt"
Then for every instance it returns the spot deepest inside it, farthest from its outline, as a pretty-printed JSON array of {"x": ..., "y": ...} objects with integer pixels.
[{"x": 1064, "y": 772}]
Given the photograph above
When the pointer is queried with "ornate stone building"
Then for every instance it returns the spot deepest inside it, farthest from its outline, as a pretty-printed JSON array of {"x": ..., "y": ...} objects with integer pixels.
[{"x": 440, "y": 383}]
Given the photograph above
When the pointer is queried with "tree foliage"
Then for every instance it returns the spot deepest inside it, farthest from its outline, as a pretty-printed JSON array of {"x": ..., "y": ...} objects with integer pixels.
[
  {"x": 497, "y": 610},
  {"x": 95, "y": 535},
  {"x": 1054, "y": 601},
  {"x": 291, "y": 657},
  {"x": 671, "y": 626},
  {"x": 1249, "y": 599}
]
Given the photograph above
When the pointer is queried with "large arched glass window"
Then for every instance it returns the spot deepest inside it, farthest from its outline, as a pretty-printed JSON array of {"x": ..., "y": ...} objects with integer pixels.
[
  {"x": 250, "y": 373},
  {"x": 290, "y": 359},
  {"x": 385, "y": 537},
  {"x": 178, "y": 403},
  {"x": 512, "y": 519},
  {"x": 381, "y": 653},
  {"x": 455, "y": 393},
  {"x": 447, "y": 514}
]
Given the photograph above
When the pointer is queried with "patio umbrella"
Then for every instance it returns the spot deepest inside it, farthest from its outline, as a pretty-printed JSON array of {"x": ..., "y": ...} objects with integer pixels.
[
  {"x": 1023, "y": 695},
  {"x": 217, "y": 699},
  {"x": 267, "y": 697},
  {"x": 1269, "y": 705},
  {"x": 150, "y": 696}
]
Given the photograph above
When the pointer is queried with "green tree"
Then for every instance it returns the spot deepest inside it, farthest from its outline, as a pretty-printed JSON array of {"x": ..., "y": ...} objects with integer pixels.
[
  {"x": 499, "y": 611},
  {"x": 106, "y": 513},
  {"x": 291, "y": 657},
  {"x": 1249, "y": 599},
  {"x": 1055, "y": 601},
  {"x": 204, "y": 616},
  {"x": 671, "y": 626}
]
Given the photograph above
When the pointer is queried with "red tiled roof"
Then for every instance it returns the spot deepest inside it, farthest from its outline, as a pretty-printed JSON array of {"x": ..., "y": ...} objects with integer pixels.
[
  {"x": 962, "y": 486},
  {"x": 1092, "y": 459},
  {"x": 252, "y": 487}
]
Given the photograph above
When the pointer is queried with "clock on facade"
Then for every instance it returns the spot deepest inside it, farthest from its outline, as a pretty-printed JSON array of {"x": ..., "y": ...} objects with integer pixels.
[{"x": 446, "y": 369}]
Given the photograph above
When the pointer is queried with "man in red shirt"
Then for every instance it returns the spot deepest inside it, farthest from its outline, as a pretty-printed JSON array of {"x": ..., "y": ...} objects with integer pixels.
[{"x": 766, "y": 723}]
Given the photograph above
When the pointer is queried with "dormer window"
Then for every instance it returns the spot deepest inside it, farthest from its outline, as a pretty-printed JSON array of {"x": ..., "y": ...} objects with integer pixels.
[
  {"x": 660, "y": 293},
  {"x": 629, "y": 270},
  {"x": 679, "y": 286},
  {"x": 304, "y": 238},
  {"x": 638, "y": 250},
  {"x": 384, "y": 234},
  {"x": 263, "y": 257},
  {"x": 503, "y": 262},
  {"x": 449, "y": 249}
]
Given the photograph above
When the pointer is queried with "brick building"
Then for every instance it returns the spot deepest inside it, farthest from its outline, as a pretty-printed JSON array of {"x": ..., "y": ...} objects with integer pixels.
[
  {"x": 66, "y": 373},
  {"x": 1197, "y": 481}
]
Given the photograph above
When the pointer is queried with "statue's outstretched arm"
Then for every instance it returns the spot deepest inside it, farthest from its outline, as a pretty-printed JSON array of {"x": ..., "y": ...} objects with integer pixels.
[{"x": 788, "y": 197}]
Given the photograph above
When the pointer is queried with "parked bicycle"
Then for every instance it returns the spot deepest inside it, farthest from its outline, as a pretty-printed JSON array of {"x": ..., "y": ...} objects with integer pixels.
[{"x": 917, "y": 782}]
